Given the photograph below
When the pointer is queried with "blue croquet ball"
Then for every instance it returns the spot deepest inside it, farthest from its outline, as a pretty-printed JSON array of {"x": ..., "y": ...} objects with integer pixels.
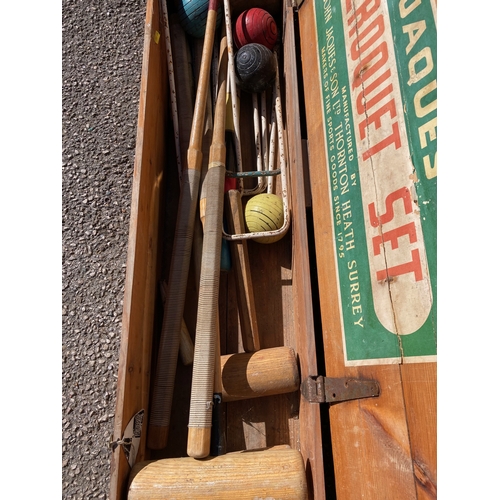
[{"x": 193, "y": 16}]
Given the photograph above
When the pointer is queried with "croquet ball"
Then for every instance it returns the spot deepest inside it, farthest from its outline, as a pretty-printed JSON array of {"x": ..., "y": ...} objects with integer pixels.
[
  {"x": 255, "y": 26},
  {"x": 193, "y": 16},
  {"x": 264, "y": 212},
  {"x": 255, "y": 69}
]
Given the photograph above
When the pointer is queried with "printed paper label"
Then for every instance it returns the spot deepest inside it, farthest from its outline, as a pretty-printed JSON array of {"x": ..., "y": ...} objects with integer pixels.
[{"x": 377, "y": 62}]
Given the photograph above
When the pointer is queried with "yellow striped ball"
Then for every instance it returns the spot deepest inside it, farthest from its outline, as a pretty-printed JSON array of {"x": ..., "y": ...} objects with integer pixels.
[{"x": 264, "y": 212}]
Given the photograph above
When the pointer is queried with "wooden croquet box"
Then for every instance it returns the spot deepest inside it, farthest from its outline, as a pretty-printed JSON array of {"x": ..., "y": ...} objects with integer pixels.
[{"x": 351, "y": 287}]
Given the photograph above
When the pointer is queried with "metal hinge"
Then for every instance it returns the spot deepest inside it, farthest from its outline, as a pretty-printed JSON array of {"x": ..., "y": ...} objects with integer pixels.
[{"x": 335, "y": 390}]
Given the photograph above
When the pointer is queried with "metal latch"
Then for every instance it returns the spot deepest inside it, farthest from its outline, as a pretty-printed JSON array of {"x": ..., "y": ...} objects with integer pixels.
[{"x": 335, "y": 390}]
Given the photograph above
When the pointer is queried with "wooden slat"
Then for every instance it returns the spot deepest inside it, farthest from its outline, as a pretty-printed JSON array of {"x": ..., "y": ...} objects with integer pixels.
[
  {"x": 419, "y": 386},
  {"x": 140, "y": 280},
  {"x": 309, "y": 414}
]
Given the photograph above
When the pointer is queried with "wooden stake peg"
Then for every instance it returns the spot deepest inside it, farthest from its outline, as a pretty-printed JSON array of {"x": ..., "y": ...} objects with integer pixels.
[{"x": 243, "y": 276}]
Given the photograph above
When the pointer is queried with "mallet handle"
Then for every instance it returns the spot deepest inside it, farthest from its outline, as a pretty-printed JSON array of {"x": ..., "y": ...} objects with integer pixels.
[
  {"x": 186, "y": 346},
  {"x": 200, "y": 412}
]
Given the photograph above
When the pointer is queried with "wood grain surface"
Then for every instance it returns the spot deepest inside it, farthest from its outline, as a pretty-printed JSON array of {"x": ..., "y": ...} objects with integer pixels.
[
  {"x": 241, "y": 269},
  {"x": 383, "y": 447},
  {"x": 273, "y": 473},
  {"x": 140, "y": 281}
]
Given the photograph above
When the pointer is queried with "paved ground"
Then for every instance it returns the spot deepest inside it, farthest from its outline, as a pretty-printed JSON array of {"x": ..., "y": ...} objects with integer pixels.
[{"x": 102, "y": 45}]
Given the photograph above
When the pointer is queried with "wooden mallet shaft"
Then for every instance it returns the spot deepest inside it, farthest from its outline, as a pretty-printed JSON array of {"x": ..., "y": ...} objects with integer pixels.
[
  {"x": 186, "y": 345},
  {"x": 200, "y": 413}
]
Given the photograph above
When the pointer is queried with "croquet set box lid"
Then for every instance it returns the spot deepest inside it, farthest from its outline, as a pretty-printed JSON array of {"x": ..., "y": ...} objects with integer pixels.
[{"x": 279, "y": 332}]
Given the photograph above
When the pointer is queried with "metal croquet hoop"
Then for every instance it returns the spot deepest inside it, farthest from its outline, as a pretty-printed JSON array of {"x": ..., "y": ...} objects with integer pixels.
[{"x": 269, "y": 172}]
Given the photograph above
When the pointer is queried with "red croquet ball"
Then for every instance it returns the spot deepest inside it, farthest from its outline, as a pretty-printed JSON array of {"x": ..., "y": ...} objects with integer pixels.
[{"x": 255, "y": 26}]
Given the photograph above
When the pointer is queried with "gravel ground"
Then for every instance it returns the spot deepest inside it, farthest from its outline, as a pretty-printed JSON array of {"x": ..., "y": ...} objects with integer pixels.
[{"x": 102, "y": 45}]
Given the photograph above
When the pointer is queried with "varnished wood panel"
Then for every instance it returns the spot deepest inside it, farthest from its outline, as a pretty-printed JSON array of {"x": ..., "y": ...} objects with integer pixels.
[
  {"x": 141, "y": 275},
  {"x": 419, "y": 386},
  {"x": 383, "y": 447},
  {"x": 309, "y": 414}
]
